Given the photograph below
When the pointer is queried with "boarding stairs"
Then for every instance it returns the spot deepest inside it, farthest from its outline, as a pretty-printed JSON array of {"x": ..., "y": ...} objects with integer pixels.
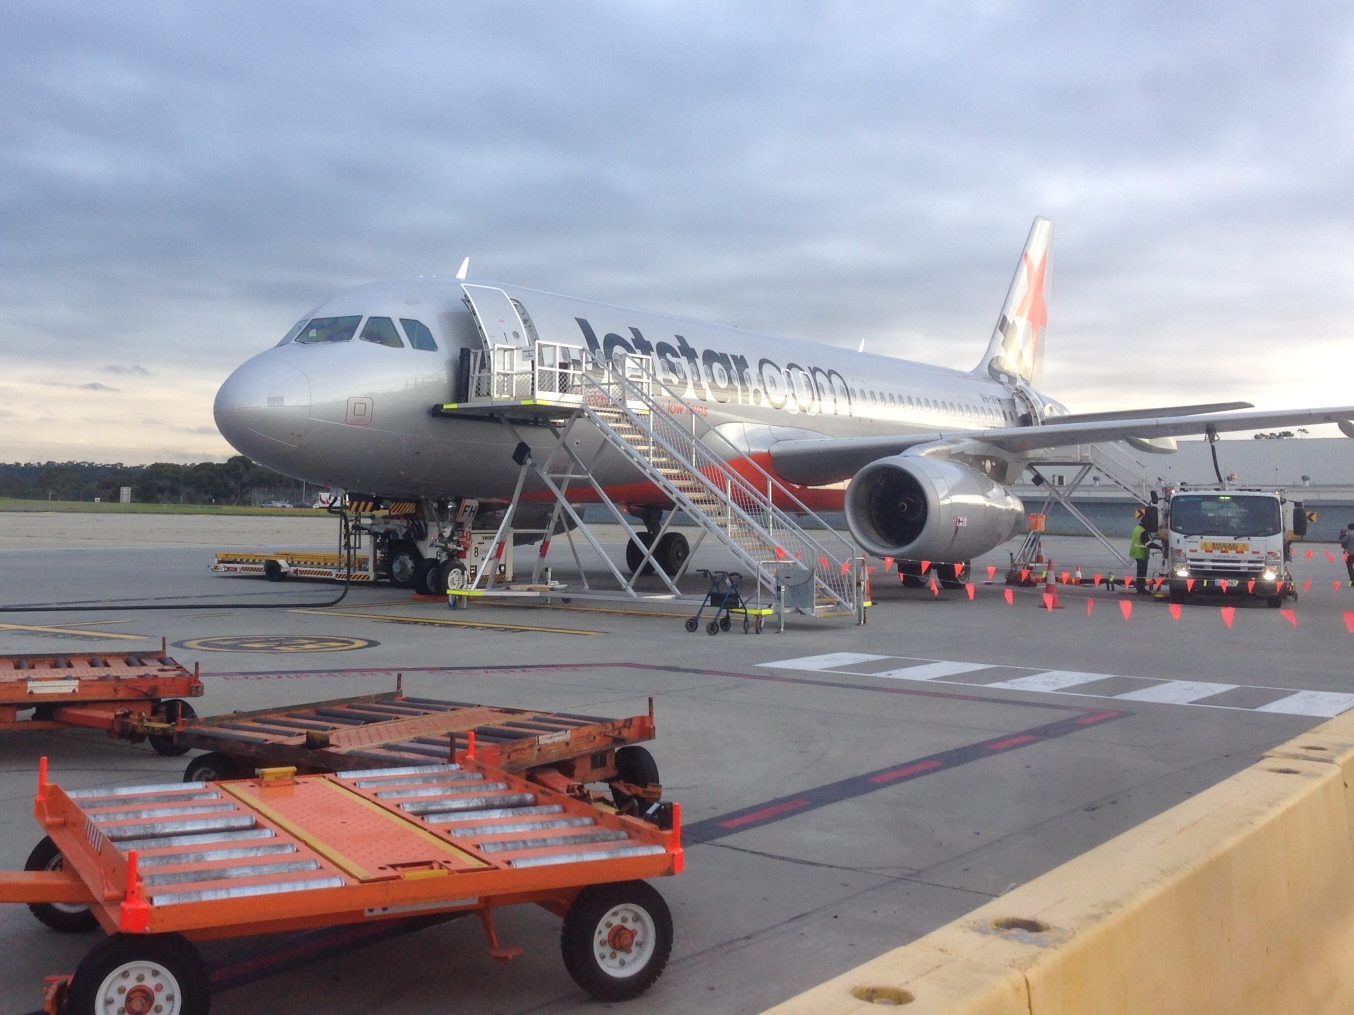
[{"x": 710, "y": 481}]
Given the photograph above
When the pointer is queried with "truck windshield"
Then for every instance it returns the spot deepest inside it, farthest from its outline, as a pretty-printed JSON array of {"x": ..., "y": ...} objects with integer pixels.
[{"x": 1231, "y": 514}]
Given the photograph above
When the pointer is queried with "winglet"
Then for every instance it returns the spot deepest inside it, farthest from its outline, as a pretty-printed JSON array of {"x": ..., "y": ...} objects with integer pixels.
[
  {"x": 463, "y": 270},
  {"x": 1016, "y": 350}
]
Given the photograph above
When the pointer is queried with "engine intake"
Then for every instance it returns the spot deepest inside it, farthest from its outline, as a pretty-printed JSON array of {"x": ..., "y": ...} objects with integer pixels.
[{"x": 920, "y": 508}]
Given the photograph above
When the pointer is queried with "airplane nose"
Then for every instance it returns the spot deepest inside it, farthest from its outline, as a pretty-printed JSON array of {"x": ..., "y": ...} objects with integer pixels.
[{"x": 263, "y": 408}]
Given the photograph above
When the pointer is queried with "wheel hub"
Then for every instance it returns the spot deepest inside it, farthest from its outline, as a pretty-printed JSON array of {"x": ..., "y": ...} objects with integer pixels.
[
  {"x": 139, "y": 988},
  {"x": 621, "y": 939}
]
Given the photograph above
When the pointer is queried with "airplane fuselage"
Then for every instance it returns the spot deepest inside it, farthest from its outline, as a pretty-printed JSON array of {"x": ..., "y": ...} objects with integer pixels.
[{"x": 357, "y": 415}]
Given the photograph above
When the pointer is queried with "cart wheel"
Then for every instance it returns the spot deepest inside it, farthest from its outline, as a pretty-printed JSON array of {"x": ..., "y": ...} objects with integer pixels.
[
  {"x": 747, "y": 625},
  {"x": 616, "y": 939},
  {"x": 62, "y": 916},
  {"x": 171, "y": 711},
  {"x": 140, "y": 974},
  {"x": 635, "y": 765},
  {"x": 692, "y": 623},
  {"x": 725, "y": 623},
  {"x": 272, "y": 570},
  {"x": 214, "y": 767},
  {"x": 758, "y": 625},
  {"x": 712, "y": 627}
]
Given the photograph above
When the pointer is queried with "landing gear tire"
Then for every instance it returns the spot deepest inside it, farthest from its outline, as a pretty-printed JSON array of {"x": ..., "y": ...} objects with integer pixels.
[
  {"x": 672, "y": 552},
  {"x": 159, "y": 973},
  {"x": 633, "y": 554},
  {"x": 403, "y": 561},
  {"x": 453, "y": 576},
  {"x": 65, "y": 917},
  {"x": 616, "y": 939},
  {"x": 952, "y": 575},
  {"x": 171, "y": 711},
  {"x": 214, "y": 767},
  {"x": 426, "y": 578}
]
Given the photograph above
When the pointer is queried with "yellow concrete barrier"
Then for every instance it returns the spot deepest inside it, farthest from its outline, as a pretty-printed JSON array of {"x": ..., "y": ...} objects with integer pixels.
[{"x": 1239, "y": 900}]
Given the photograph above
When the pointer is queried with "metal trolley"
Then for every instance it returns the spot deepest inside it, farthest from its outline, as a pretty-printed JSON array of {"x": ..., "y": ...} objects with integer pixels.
[{"x": 158, "y": 867}]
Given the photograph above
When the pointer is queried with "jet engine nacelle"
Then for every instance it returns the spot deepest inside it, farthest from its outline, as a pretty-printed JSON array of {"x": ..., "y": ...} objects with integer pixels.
[{"x": 917, "y": 508}]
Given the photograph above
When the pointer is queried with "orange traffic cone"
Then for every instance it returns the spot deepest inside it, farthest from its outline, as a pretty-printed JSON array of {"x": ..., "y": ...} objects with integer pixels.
[{"x": 1051, "y": 600}]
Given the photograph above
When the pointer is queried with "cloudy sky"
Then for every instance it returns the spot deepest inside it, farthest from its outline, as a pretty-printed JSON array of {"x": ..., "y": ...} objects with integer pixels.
[{"x": 179, "y": 182}]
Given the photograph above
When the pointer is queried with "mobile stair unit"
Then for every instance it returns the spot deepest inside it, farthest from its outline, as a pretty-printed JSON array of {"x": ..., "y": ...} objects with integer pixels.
[{"x": 530, "y": 383}]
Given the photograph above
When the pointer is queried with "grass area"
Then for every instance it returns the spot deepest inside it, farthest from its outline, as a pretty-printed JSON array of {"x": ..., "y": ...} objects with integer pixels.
[{"x": 88, "y": 507}]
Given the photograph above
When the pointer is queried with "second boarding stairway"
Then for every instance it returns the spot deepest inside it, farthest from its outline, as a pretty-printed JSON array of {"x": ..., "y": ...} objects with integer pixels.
[{"x": 724, "y": 492}]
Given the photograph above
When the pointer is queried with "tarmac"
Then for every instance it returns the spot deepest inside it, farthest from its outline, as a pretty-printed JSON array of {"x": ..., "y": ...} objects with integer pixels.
[{"x": 844, "y": 789}]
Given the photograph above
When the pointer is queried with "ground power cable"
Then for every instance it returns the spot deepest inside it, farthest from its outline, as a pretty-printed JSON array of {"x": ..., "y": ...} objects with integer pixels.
[{"x": 345, "y": 542}]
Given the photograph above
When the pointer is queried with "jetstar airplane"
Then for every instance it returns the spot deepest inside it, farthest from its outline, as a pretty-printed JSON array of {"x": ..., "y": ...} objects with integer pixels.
[{"x": 919, "y": 457}]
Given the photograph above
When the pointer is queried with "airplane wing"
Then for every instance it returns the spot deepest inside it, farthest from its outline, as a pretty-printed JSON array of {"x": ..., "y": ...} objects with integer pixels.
[{"x": 817, "y": 461}]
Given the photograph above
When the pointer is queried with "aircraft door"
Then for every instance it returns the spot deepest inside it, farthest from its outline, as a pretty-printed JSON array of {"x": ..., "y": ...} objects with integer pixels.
[{"x": 497, "y": 318}]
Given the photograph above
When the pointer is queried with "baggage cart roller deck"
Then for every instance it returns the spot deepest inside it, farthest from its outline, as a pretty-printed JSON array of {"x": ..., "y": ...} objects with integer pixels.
[
  {"x": 132, "y": 695},
  {"x": 161, "y": 866},
  {"x": 391, "y": 729}
]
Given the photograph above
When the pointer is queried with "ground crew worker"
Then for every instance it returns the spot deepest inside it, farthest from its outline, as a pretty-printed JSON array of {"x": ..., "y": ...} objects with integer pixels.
[
  {"x": 1140, "y": 546},
  {"x": 1347, "y": 544}
]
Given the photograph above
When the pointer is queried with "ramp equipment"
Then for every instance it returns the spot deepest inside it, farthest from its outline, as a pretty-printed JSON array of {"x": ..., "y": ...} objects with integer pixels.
[
  {"x": 132, "y": 695},
  {"x": 395, "y": 730},
  {"x": 616, "y": 416},
  {"x": 160, "y": 866}
]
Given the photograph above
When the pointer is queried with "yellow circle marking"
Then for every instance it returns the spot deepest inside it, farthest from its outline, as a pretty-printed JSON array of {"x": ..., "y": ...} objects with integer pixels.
[{"x": 276, "y": 643}]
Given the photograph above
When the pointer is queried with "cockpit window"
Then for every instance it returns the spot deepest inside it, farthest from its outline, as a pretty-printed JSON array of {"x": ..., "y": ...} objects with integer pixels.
[
  {"x": 419, "y": 335},
  {"x": 381, "y": 330},
  {"x": 295, "y": 330},
  {"x": 328, "y": 329}
]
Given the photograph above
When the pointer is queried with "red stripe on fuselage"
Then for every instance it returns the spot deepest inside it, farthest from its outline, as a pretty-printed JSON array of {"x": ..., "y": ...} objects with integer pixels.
[{"x": 815, "y": 498}]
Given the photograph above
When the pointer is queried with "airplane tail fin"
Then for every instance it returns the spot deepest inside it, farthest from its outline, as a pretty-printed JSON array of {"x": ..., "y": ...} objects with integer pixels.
[{"x": 1016, "y": 351}]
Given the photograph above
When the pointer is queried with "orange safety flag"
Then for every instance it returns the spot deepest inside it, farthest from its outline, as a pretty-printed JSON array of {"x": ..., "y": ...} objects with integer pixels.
[
  {"x": 1096, "y": 580},
  {"x": 888, "y": 563},
  {"x": 1307, "y": 585},
  {"x": 1189, "y": 585},
  {"x": 1176, "y": 610},
  {"x": 1066, "y": 578},
  {"x": 959, "y": 570},
  {"x": 1349, "y": 621},
  {"x": 1289, "y": 616},
  {"x": 1250, "y": 588},
  {"x": 991, "y": 571},
  {"x": 1309, "y": 554},
  {"x": 1222, "y": 584},
  {"x": 925, "y": 566},
  {"x": 1228, "y": 615},
  {"x": 1010, "y": 599},
  {"x": 846, "y": 567},
  {"x": 968, "y": 587},
  {"x": 1126, "y": 607},
  {"x": 780, "y": 553},
  {"x": 1330, "y": 556},
  {"x": 822, "y": 562},
  {"x": 1024, "y": 574}
]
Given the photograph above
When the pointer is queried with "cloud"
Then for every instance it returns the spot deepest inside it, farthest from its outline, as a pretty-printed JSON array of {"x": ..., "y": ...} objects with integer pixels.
[
  {"x": 179, "y": 184},
  {"x": 96, "y": 386}
]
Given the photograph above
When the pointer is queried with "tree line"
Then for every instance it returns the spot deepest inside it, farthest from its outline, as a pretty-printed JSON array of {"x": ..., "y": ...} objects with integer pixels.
[{"x": 235, "y": 481}]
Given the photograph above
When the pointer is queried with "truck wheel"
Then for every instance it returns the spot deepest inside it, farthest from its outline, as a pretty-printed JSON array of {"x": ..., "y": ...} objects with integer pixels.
[
  {"x": 214, "y": 767},
  {"x": 159, "y": 973},
  {"x": 171, "y": 711},
  {"x": 616, "y": 939},
  {"x": 1274, "y": 602},
  {"x": 63, "y": 916},
  {"x": 403, "y": 563}
]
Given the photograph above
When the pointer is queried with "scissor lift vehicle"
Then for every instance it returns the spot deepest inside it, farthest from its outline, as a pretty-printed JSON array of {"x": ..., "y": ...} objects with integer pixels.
[
  {"x": 160, "y": 866},
  {"x": 135, "y": 695}
]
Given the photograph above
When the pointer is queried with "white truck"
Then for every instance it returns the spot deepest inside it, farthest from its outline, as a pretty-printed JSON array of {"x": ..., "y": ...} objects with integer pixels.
[{"x": 1224, "y": 541}]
